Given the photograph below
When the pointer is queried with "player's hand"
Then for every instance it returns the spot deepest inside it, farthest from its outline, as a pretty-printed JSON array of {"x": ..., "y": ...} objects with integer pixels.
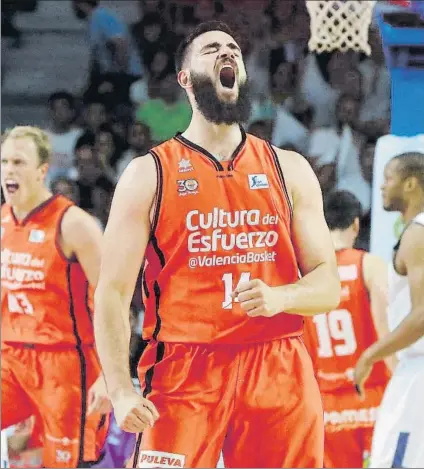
[
  {"x": 362, "y": 371},
  {"x": 257, "y": 298},
  {"x": 133, "y": 412},
  {"x": 98, "y": 399}
]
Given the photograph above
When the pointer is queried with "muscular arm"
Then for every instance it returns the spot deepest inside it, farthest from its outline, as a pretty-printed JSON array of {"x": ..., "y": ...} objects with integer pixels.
[
  {"x": 124, "y": 244},
  {"x": 319, "y": 288},
  {"x": 375, "y": 277},
  {"x": 412, "y": 327},
  {"x": 82, "y": 238}
]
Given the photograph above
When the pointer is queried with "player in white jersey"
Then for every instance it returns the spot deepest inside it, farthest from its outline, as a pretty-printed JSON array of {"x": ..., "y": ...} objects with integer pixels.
[
  {"x": 4, "y": 451},
  {"x": 398, "y": 439}
]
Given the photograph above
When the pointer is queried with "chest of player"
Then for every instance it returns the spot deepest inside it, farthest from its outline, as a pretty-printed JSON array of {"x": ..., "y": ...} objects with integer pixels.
[
  {"x": 228, "y": 209},
  {"x": 28, "y": 256},
  {"x": 246, "y": 187}
]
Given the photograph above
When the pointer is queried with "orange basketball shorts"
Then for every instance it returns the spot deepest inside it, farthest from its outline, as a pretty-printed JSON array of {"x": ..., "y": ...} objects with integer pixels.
[
  {"x": 52, "y": 385},
  {"x": 258, "y": 403},
  {"x": 349, "y": 425}
]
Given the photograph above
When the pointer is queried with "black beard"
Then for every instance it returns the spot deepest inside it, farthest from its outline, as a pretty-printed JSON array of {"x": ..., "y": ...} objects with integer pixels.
[{"x": 216, "y": 111}]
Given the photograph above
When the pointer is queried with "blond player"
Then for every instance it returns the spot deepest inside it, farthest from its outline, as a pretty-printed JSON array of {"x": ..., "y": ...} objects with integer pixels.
[{"x": 49, "y": 263}]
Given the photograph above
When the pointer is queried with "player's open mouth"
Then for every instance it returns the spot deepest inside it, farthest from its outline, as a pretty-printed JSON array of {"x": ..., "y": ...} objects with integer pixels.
[
  {"x": 227, "y": 76},
  {"x": 11, "y": 186}
]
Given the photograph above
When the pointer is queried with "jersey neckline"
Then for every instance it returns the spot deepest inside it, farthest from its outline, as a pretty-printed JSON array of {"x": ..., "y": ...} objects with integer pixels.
[
  {"x": 218, "y": 165},
  {"x": 33, "y": 212}
]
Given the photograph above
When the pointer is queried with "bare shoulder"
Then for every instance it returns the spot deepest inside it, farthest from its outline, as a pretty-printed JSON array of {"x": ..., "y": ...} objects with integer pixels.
[
  {"x": 298, "y": 174},
  {"x": 292, "y": 161},
  {"x": 373, "y": 261},
  {"x": 140, "y": 168},
  {"x": 79, "y": 229},
  {"x": 374, "y": 267},
  {"x": 411, "y": 247},
  {"x": 76, "y": 218},
  {"x": 138, "y": 183}
]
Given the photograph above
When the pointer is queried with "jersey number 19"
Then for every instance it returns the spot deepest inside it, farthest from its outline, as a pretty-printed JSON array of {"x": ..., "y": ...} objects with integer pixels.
[{"x": 337, "y": 325}]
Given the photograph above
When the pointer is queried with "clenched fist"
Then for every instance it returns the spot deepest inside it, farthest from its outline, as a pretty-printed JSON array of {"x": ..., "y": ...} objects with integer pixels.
[
  {"x": 133, "y": 412},
  {"x": 98, "y": 399},
  {"x": 257, "y": 298}
]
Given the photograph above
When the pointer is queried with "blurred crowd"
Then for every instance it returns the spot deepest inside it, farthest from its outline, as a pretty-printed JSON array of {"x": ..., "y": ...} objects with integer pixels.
[{"x": 330, "y": 107}]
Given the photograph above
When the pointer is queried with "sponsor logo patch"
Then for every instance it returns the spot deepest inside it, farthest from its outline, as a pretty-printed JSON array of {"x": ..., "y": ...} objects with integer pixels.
[
  {"x": 63, "y": 456},
  {"x": 187, "y": 186},
  {"x": 184, "y": 166},
  {"x": 258, "y": 181},
  {"x": 351, "y": 417},
  {"x": 160, "y": 459},
  {"x": 37, "y": 236}
]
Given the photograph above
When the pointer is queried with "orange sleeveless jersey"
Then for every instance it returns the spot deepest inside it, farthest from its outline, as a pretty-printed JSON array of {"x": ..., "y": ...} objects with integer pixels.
[
  {"x": 337, "y": 339},
  {"x": 215, "y": 225},
  {"x": 46, "y": 298}
]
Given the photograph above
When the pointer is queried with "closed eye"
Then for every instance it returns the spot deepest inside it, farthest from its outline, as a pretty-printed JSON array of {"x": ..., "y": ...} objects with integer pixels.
[
  {"x": 214, "y": 47},
  {"x": 18, "y": 162},
  {"x": 210, "y": 52},
  {"x": 15, "y": 161}
]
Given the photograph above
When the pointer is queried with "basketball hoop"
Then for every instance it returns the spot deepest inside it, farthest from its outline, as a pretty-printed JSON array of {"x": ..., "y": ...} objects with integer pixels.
[{"x": 340, "y": 25}]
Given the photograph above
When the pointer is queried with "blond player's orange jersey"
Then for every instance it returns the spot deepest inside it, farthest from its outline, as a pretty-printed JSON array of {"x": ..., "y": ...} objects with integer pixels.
[
  {"x": 337, "y": 339},
  {"x": 217, "y": 224},
  {"x": 45, "y": 297}
]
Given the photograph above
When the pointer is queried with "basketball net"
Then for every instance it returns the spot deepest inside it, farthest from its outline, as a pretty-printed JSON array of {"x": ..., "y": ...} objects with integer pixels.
[{"x": 340, "y": 25}]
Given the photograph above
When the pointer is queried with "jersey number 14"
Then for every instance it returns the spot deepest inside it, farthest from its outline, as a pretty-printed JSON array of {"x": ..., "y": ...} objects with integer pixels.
[{"x": 229, "y": 288}]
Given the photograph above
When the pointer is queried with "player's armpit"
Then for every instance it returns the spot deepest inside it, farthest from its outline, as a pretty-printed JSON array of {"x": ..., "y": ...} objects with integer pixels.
[
  {"x": 124, "y": 243},
  {"x": 319, "y": 288},
  {"x": 376, "y": 282},
  {"x": 81, "y": 237}
]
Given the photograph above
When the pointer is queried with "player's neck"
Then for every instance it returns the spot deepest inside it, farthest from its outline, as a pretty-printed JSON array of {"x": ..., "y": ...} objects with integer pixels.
[
  {"x": 21, "y": 211},
  {"x": 219, "y": 140},
  {"x": 342, "y": 240},
  {"x": 412, "y": 210}
]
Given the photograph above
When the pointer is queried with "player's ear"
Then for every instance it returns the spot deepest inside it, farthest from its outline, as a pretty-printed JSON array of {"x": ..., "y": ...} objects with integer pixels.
[
  {"x": 356, "y": 225},
  {"x": 184, "y": 79},
  {"x": 43, "y": 169},
  {"x": 410, "y": 184}
]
